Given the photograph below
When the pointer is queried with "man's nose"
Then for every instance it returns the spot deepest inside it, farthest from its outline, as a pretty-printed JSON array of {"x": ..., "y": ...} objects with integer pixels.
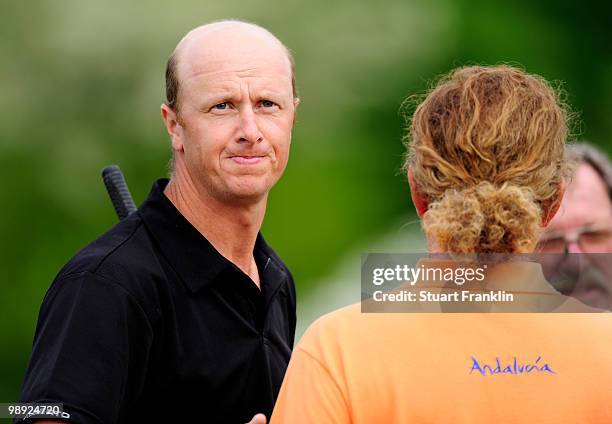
[
  {"x": 249, "y": 130},
  {"x": 573, "y": 246}
]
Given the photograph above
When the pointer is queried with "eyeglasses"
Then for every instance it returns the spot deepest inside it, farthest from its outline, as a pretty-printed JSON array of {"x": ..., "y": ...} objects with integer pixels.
[{"x": 592, "y": 238}]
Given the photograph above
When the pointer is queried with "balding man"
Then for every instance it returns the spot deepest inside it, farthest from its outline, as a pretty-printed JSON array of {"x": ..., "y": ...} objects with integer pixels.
[
  {"x": 181, "y": 312},
  {"x": 583, "y": 227}
]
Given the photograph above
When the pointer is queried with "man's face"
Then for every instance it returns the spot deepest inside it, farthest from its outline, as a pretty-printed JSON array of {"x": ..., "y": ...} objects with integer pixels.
[
  {"x": 584, "y": 218},
  {"x": 583, "y": 225},
  {"x": 236, "y": 113}
]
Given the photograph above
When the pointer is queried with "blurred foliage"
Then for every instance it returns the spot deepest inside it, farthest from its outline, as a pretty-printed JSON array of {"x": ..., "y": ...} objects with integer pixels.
[{"x": 81, "y": 83}]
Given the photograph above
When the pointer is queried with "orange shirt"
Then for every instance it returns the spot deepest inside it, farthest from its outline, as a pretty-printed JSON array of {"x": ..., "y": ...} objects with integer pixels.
[{"x": 352, "y": 367}]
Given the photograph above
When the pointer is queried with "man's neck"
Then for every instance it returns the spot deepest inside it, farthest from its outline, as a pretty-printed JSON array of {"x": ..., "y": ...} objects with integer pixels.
[{"x": 231, "y": 228}]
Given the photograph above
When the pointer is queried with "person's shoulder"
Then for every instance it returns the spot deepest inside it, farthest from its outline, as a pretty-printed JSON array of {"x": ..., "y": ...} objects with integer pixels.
[
  {"x": 332, "y": 330},
  {"x": 121, "y": 245},
  {"x": 588, "y": 321},
  {"x": 124, "y": 256},
  {"x": 352, "y": 329},
  {"x": 349, "y": 319}
]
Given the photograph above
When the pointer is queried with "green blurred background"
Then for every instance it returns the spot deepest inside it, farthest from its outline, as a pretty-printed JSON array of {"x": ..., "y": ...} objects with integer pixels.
[{"x": 81, "y": 83}]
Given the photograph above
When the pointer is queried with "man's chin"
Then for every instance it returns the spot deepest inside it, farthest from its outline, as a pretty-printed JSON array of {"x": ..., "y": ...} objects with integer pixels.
[
  {"x": 247, "y": 194},
  {"x": 243, "y": 189}
]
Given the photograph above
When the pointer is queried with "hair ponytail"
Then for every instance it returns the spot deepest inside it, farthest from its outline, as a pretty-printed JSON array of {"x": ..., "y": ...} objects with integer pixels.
[{"x": 484, "y": 219}]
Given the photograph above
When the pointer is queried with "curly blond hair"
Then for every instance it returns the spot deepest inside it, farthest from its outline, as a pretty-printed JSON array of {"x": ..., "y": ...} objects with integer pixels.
[{"x": 486, "y": 149}]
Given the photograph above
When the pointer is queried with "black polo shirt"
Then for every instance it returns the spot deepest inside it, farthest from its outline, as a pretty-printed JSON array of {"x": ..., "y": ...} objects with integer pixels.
[{"x": 150, "y": 322}]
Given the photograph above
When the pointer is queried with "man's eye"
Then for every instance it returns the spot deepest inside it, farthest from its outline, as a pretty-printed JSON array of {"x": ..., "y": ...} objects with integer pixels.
[
  {"x": 267, "y": 103},
  {"x": 221, "y": 106},
  {"x": 556, "y": 244},
  {"x": 596, "y": 235}
]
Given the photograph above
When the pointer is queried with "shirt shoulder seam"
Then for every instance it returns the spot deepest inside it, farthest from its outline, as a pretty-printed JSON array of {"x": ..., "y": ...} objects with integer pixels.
[{"x": 114, "y": 249}]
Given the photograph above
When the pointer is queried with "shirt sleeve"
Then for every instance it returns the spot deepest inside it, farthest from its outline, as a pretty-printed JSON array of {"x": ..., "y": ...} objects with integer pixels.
[
  {"x": 310, "y": 394},
  {"x": 90, "y": 349}
]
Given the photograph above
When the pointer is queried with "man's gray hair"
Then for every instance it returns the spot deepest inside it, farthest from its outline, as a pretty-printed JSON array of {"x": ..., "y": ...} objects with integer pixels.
[{"x": 587, "y": 153}]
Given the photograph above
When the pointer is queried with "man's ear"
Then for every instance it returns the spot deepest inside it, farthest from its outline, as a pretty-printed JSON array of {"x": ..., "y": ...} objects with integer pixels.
[
  {"x": 550, "y": 210},
  {"x": 296, "y": 102},
  {"x": 420, "y": 204},
  {"x": 173, "y": 126}
]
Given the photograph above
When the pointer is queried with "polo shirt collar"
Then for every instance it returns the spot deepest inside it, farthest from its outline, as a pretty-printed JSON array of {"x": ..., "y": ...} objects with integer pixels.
[{"x": 190, "y": 254}]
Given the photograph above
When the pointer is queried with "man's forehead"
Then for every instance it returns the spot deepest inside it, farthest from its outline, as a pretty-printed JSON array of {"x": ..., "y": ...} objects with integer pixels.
[
  {"x": 236, "y": 63},
  {"x": 586, "y": 200},
  {"x": 586, "y": 183},
  {"x": 232, "y": 78},
  {"x": 222, "y": 86}
]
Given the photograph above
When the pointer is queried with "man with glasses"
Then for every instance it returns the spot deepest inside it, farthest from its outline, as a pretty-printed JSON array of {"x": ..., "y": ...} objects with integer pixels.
[{"x": 579, "y": 237}]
